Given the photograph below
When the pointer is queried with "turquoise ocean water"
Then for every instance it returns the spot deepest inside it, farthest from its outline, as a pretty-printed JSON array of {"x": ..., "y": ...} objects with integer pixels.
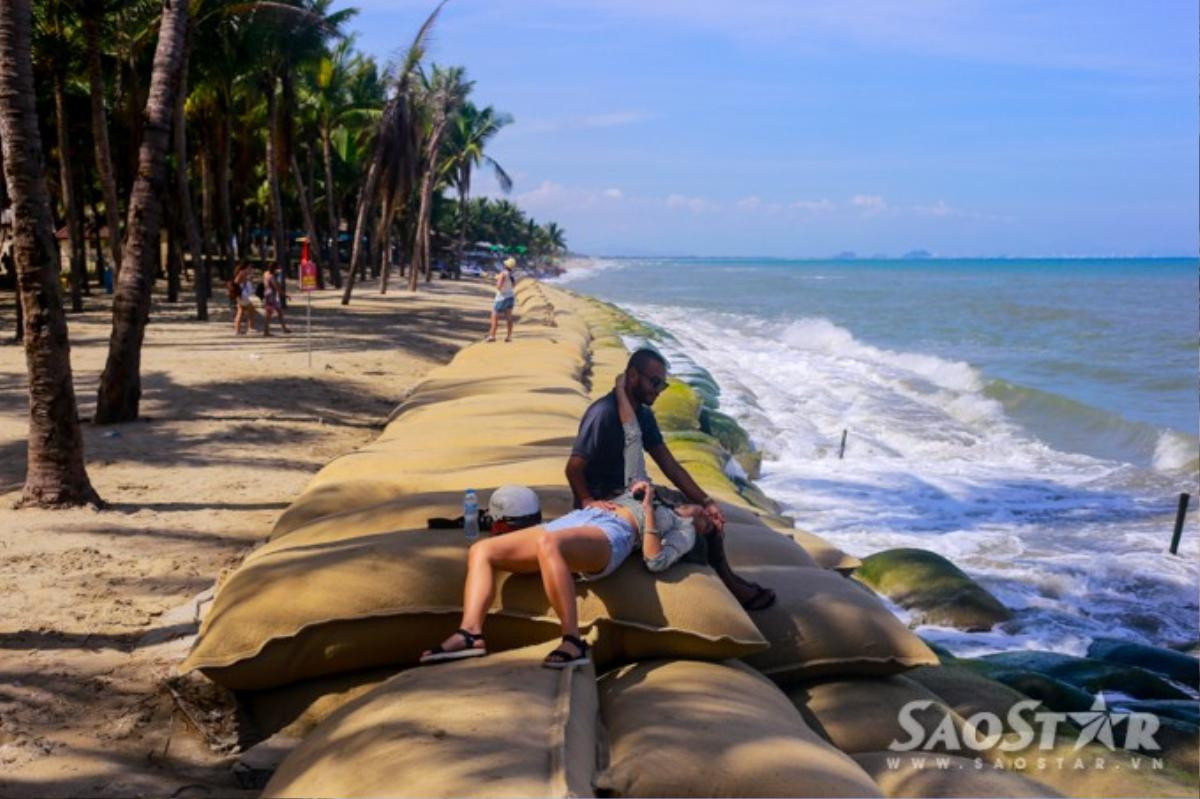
[{"x": 1033, "y": 420}]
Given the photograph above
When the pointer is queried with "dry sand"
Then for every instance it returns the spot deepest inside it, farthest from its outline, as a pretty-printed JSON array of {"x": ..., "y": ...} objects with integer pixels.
[{"x": 96, "y": 605}]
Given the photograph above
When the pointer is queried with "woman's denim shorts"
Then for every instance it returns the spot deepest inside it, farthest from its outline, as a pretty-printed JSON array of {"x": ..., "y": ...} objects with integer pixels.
[
  {"x": 620, "y": 536},
  {"x": 505, "y": 304}
]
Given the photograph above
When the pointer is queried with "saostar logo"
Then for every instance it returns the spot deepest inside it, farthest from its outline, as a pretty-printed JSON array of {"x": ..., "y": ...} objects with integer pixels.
[{"x": 1025, "y": 723}]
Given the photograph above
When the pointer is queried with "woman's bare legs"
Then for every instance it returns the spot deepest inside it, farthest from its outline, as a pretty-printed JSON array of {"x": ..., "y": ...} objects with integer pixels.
[
  {"x": 508, "y": 321},
  {"x": 573, "y": 549},
  {"x": 557, "y": 555},
  {"x": 491, "y": 336}
]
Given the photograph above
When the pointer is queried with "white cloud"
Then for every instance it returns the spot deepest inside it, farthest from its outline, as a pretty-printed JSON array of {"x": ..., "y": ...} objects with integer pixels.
[
  {"x": 612, "y": 194},
  {"x": 697, "y": 205},
  {"x": 871, "y": 204},
  {"x": 939, "y": 208},
  {"x": 812, "y": 205}
]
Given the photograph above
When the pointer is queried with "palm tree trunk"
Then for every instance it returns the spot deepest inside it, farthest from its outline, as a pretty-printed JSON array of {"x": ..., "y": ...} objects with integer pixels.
[
  {"x": 335, "y": 269},
  {"x": 174, "y": 254},
  {"x": 224, "y": 210},
  {"x": 365, "y": 203},
  {"x": 276, "y": 196},
  {"x": 120, "y": 383},
  {"x": 66, "y": 174},
  {"x": 54, "y": 474},
  {"x": 104, "y": 162},
  {"x": 464, "y": 186},
  {"x": 187, "y": 219},
  {"x": 385, "y": 225},
  {"x": 310, "y": 227},
  {"x": 205, "y": 157}
]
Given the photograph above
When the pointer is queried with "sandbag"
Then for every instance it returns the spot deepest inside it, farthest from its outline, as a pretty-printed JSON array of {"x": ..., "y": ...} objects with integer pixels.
[
  {"x": 749, "y": 545},
  {"x": 919, "y": 775},
  {"x": 455, "y": 386},
  {"x": 684, "y": 728},
  {"x": 824, "y": 624},
  {"x": 405, "y": 513},
  {"x": 403, "y": 463},
  {"x": 824, "y": 553},
  {"x": 293, "y": 711},
  {"x": 494, "y": 726},
  {"x": 544, "y": 470},
  {"x": 301, "y": 608},
  {"x": 863, "y": 715}
]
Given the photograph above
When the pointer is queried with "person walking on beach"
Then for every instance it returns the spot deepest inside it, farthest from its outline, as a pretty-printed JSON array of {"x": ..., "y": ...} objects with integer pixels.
[
  {"x": 272, "y": 296},
  {"x": 504, "y": 300},
  {"x": 243, "y": 280},
  {"x": 596, "y": 468}
]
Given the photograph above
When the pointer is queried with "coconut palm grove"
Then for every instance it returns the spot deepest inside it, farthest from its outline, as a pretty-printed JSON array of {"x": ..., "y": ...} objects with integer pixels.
[{"x": 149, "y": 143}]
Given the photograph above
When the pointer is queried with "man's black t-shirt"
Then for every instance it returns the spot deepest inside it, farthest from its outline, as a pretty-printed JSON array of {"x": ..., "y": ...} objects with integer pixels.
[{"x": 601, "y": 442}]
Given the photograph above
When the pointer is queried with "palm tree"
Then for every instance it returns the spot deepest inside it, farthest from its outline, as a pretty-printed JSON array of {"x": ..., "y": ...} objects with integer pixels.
[
  {"x": 556, "y": 238},
  {"x": 55, "y": 474},
  {"x": 183, "y": 193},
  {"x": 120, "y": 383},
  {"x": 56, "y": 47},
  {"x": 93, "y": 19},
  {"x": 396, "y": 148},
  {"x": 331, "y": 94},
  {"x": 470, "y": 132},
  {"x": 444, "y": 92}
]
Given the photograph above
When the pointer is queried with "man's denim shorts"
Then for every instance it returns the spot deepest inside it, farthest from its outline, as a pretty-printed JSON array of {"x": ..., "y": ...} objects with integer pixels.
[{"x": 620, "y": 536}]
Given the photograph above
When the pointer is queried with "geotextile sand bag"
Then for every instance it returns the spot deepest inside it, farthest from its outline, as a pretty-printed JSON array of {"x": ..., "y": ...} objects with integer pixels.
[
  {"x": 824, "y": 553},
  {"x": 407, "y": 513},
  {"x": 749, "y": 545},
  {"x": 402, "y": 463},
  {"x": 824, "y": 624},
  {"x": 301, "y": 607},
  {"x": 544, "y": 470},
  {"x": 456, "y": 386},
  {"x": 919, "y": 775},
  {"x": 863, "y": 715},
  {"x": 685, "y": 728},
  {"x": 496, "y": 726}
]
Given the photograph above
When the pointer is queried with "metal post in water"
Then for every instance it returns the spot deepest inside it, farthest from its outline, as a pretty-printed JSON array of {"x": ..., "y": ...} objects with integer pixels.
[
  {"x": 1183, "y": 503},
  {"x": 842, "y": 451}
]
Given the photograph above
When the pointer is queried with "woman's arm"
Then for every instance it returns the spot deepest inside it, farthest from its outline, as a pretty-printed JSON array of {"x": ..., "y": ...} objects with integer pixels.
[{"x": 651, "y": 542}]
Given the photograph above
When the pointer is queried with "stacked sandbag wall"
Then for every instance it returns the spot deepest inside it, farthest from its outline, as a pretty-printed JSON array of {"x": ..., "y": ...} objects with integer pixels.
[{"x": 318, "y": 628}]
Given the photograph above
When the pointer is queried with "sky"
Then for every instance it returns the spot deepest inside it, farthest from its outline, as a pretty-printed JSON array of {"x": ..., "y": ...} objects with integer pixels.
[{"x": 789, "y": 128}]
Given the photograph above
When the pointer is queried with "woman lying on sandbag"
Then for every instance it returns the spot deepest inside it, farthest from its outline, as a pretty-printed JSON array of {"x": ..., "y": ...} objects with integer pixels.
[{"x": 590, "y": 542}]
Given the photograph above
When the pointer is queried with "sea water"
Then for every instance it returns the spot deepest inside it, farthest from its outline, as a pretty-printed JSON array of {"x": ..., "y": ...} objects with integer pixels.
[{"x": 1032, "y": 420}]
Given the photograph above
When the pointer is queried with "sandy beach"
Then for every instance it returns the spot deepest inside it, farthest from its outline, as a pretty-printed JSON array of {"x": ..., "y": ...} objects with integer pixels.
[{"x": 232, "y": 428}]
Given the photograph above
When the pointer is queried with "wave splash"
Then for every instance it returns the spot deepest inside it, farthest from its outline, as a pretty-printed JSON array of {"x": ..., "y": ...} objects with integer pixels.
[{"x": 939, "y": 456}]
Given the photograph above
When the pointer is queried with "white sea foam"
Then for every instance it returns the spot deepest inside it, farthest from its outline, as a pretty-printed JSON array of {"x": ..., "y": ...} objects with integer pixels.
[
  {"x": 581, "y": 268},
  {"x": 1174, "y": 451},
  {"x": 1073, "y": 543}
]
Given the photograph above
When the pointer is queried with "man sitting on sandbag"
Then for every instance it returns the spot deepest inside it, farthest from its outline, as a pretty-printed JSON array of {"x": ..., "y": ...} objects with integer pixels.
[{"x": 596, "y": 469}]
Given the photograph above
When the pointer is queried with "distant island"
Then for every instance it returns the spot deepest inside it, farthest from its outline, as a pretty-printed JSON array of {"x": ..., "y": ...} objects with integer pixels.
[
  {"x": 918, "y": 254},
  {"x": 845, "y": 255}
]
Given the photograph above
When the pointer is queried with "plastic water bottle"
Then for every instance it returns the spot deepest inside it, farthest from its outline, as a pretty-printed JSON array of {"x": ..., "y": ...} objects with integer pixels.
[{"x": 470, "y": 515}]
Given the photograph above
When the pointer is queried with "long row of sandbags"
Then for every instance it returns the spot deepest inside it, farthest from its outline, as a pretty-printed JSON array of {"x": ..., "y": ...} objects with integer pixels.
[
  {"x": 352, "y": 579},
  {"x": 352, "y": 586}
]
